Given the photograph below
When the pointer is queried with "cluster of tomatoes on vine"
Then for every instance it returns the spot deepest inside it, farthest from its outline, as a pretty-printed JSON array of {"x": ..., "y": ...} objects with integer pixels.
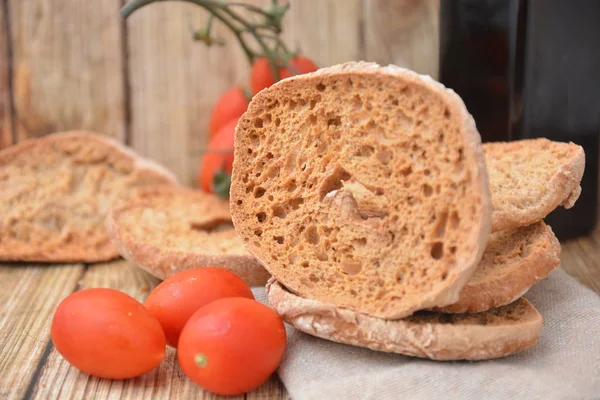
[{"x": 215, "y": 166}]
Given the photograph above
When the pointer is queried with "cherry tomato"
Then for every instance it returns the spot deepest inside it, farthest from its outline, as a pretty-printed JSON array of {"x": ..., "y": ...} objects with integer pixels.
[
  {"x": 178, "y": 297},
  {"x": 218, "y": 157},
  {"x": 106, "y": 333},
  {"x": 232, "y": 345},
  {"x": 231, "y": 105},
  {"x": 261, "y": 75}
]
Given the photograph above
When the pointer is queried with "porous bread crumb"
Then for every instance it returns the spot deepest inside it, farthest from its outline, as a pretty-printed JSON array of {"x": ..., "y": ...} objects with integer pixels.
[
  {"x": 530, "y": 178},
  {"x": 513, "y": 261},
  {"x": 364, "y": 187},
  {"x": 57, "y": 191}
]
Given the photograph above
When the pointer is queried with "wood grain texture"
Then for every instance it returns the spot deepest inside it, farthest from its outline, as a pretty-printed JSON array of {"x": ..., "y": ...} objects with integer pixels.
[
  {"x": 29, "y": 296},
  {"x": 58, "y": 380},
  {"x": 175, "y": 82},
  {"x": 325, "y": 31},
  {"x": 68, "y": 66},
  {"x": 581, "y": 259},
  {"x": 6, "y": 132},
  {"x": 403, "y": 32}
]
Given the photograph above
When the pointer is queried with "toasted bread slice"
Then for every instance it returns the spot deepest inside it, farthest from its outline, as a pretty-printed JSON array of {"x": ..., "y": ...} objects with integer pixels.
[
  {"x": 56, "y": 193},
  {"x": 530, "y": 178},
  {"x": 166, "y": 230},
  {"x": 514, "y": 260},
  {"x": 364, "y": 187},
  {"x": 480, "y": 336}
]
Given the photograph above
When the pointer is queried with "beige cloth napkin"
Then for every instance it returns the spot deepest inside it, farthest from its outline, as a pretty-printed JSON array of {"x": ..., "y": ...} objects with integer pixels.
[{"x": 564, "y": 364}]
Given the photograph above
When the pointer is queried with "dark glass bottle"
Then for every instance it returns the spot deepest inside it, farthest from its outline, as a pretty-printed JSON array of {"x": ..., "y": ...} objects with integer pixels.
[{"x": 530, "y": 69}]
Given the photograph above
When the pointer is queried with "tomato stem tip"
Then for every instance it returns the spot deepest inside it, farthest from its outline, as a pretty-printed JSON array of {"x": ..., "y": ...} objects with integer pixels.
[{"x": 200, "y": 360}]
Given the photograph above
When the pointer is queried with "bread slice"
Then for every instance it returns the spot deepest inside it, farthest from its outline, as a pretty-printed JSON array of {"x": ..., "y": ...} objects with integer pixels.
[
  {"x": 362, "y": 186},
  {"x": 56, "y": 193},
  {"x": 480, "y": 336},
  {"x": 530, "y": 178},
  {"x": 166, "y": 230},
  {"x": 514, "y": 260}
]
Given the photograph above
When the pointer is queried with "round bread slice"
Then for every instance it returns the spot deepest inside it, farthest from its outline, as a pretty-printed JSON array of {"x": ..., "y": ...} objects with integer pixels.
[
  {"x": 530, "y": 178},
  {"x": 364, "y": 187},
  {"x": 166, "y": 230},
  {"x": 492, "y": 334},
  {"x": 514, "y": 260},
  {"x": 57, "y": 190}
]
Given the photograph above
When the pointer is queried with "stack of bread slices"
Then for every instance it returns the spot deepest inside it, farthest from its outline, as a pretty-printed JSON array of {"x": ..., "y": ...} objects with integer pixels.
[{"x": 367, "y": 194}]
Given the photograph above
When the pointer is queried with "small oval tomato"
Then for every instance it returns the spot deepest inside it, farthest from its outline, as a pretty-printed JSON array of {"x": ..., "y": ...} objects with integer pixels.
[
  {"x": 106, "y": 333},
  {"x": 178, "y": 297},
  {"x": 232, "y": 345},
  {"x": 218, "y": 158},
  {"x": 261, "y": 74},
  {"x": 230, "y": 106}
]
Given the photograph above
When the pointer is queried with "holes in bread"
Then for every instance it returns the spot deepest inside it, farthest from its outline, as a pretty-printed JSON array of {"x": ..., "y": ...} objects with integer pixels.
[
  {"x": 333, "y": 181},
  {"x": 249, "y": 151},
  {"x": 261, "y": 217},
  {"x": 437, "y": 250},
  {"x": 406, "y": 171},
  {"x": 312, "y": 119},
  {"x": 454, "y": 220},
  {"x": 296, "y": 203},
  {"x": 259, "y": 192},
  {"x": 269, "y": 156},
  {"x": 320, "y": 87},
  {"x": 312, "y": 104},
  {"x": 258, "y": 123},
  {"x": 447, "y": 114},
  {"x": 321, "y": 255},
  {"x": 440, "y": 227},
  {"x": 385, "y": 156},
  {"x": 271, "y": 198},
  {"x": 452, "y": 250},
  {"x": 313, "y": 278},
  {"x": 301, "y": 102},
  {"x": 361, "y": 242},
  {"x": 273, "y": 172},
  {"x": 427, "y": 190},
  {"x": 312, "y": 235},
  {"x": 277, "y": 122},
  {"x": 290, "y": 162},
  {"x": 291, "y": 185},
  {"x": 357, "y": 102},
  {"x": 267, "y": 118},
  {"x": 365, "y": 151},
  {"x": 279, "y": 212},
  {"x": 212, "y": 225},
  {"x": 292, "y": 258},
  {"x": 292, "y": 105},
  {"x": 254, "y": 140},
  {"x": 279, "y": 239},
  {"x": 336, "y": 121},
  {"x": 351, "y": 267},
  {"x": 258, "y": 232}
]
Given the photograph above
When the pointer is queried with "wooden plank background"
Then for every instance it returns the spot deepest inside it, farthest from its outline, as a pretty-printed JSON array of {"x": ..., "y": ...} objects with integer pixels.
[{"x": 71, "y": 64}]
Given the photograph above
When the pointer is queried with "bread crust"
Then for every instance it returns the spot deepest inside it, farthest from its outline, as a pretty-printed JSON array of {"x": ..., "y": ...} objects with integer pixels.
[
  {"x": 56, "y": 237},
  {"x": 445, "y": 337},
  {"x": 163, "y": 260},
  {"x": 443, "y": 291},
  {"x": 508, "y": 271},
  {"x": 561, "y": 187}
]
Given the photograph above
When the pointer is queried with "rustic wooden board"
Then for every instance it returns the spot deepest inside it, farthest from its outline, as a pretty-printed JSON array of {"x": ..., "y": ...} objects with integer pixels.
[
  {"x": 6, "y": 133},
  {"x": 175, "y": 82},
  {"x": 59, "y": 380},
  {"x": 68, "y": 66},
  {"x": 581, "y": 259},
  {"x": 29, "y": 295},
  {"x": 325, "y": 31},
  {"x": 403, "y": 32}
]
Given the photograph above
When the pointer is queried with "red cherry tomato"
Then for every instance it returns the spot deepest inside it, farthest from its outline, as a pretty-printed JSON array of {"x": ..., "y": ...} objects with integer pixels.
[
  {"x": 178, "y": 297},
  {"x": 106, "y": 333},
  {"x": 232, "y": 345},
  {"x": 261, "y": 75},
  {"x": 218, "y": 157},
  {"x": 230, "y": 106}
]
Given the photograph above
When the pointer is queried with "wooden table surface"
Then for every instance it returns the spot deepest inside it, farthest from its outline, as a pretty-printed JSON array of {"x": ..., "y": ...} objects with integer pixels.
[{"x": 30, "y": 366}]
